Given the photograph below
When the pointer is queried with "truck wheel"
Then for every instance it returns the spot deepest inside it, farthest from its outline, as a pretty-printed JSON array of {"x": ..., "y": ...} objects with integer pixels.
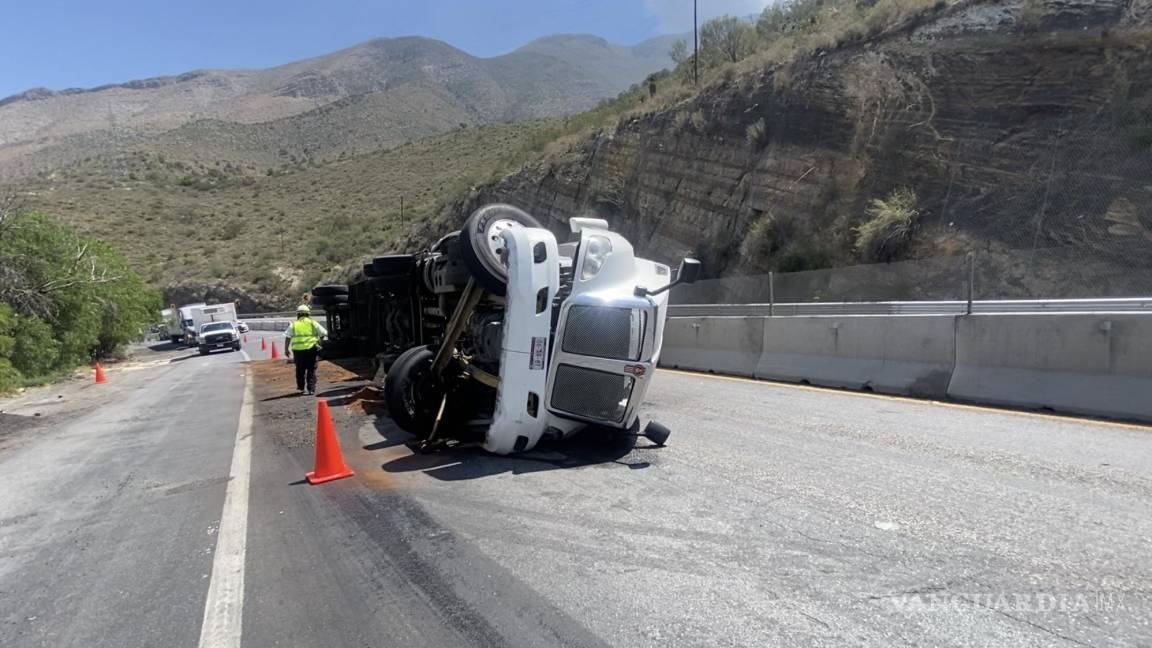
[
  {"x": 482, "y": 247},
  {"x": 236, "y": 347},
  {"x": 412, "y": 396},
  {"x": 332, "y": 289},
  {"x": 203, "y": 351}
]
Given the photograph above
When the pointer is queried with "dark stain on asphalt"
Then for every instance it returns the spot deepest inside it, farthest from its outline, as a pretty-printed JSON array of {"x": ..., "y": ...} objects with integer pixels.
[
  {"x": 17, "y": 519},
  {"x": 476, "y": 597},
  {"x": 196, "y": 485}
]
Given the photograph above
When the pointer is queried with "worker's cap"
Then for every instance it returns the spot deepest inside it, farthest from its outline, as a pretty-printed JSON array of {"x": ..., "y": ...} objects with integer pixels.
[{"x": 303, "y": 309}]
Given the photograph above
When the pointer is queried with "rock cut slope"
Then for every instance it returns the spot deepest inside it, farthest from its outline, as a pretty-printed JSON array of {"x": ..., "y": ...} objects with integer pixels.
[{"x": 1023, "y": 128}]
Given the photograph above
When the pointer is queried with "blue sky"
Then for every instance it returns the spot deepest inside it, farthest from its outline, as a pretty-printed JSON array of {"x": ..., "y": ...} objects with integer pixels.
[{"x": 83, "y": 43}]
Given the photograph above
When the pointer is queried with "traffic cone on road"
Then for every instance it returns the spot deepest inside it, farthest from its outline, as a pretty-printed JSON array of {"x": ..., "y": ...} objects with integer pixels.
[
  {"x": 100, "y": 377},
  {"x": 329, "y": 462},
  {"x": 275, "y": 354},
  {"x": 245, "y": 339},
  {"x": 263, "y": 345}
]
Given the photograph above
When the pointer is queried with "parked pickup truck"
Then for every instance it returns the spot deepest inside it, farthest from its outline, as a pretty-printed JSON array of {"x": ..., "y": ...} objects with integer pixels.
[
  {"x": 218, "y": 335},
  {"x": 201, "y": 314}
]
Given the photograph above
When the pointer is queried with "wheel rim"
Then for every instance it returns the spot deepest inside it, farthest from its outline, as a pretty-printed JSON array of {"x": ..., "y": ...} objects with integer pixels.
[
  {"x": 494, "y": 240},
  {"x": 420, "y": 389}
]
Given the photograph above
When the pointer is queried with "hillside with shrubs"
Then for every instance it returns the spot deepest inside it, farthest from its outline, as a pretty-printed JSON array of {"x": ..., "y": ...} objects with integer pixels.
[{"x": 902, "y": 134}]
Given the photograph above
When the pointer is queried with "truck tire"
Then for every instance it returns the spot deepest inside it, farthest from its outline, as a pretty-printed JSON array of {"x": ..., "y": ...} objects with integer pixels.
[
  {"x": 332, "y": 289},
  {"x": 324, "y": 301},
  {"x": 203, "y": 351},
  {"x": 481, "y": 245},
  {"x": 412, "y": 397},
  {"x": 393, "y": 264}
]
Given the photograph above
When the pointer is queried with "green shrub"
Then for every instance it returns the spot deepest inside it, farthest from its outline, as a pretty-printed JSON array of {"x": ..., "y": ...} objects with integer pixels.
[
  {"x": 757, "y": 134},
  {"x": 726, "y": 39},
  {"x": 66, "y": 300},
  {"x": 891, "y": 221},
  {"x": 36, "y": 352},
  {"x": 770, "y": 234}
]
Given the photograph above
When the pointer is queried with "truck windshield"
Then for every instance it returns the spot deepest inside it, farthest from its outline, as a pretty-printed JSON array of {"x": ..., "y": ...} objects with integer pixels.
[{"x": 219, "y": 326}]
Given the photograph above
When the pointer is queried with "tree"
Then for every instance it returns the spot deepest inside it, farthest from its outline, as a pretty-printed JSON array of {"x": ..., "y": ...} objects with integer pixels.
[
  {"x": 679, "y": 51},
  {"x": 63, "y": 299},
  {"x": 789, "y": 15},
  {"x": 772, "y": 21},
  {"x": 727, "y": 39}
]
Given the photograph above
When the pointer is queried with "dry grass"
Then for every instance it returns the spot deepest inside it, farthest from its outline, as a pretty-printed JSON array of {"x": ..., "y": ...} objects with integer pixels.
[
  {"x": 888, "y": 230},
  {"x": 757, "y": 134},
  {"x": 273, "y": 234}
]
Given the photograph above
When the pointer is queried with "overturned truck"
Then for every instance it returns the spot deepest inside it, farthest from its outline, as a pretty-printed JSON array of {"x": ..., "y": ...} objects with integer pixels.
[{"x": 502, "y": 336}]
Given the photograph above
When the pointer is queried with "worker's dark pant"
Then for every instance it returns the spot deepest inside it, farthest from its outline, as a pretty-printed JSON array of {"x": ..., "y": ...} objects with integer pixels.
[{"x": 306, "y": 368}]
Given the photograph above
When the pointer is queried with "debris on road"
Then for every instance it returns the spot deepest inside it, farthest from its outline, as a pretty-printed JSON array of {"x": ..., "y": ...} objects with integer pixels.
[{"x": 293, "y": 415}]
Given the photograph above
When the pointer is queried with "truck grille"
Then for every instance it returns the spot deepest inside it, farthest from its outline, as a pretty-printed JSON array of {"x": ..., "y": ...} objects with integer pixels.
[
  {"x": 590, "y": 393},
  {"x": 217, "y": 338},
  {"x": 604, "y": 332}
]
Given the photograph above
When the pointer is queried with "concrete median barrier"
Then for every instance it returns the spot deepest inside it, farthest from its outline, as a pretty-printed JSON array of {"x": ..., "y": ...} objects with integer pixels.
[
  {"x": 269, "y": 324},
  {"x": 1095, "y": 364},
  {"x": 730, "y": 345},
  {"x": 894, "y": 354}
]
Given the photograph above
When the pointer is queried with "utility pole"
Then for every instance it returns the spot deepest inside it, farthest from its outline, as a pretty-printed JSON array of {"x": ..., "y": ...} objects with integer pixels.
[
  {"x": 695, "y": 44},
  {"x": 401, "y": 210}
]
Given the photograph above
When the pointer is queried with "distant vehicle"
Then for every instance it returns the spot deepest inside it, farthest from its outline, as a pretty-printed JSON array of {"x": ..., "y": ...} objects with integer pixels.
[
  {"x": 241, "y": 326},
  {"x": 218, "y": 335},
  {"x": 171, "y": 327},
  {"x": 184, "y": 315},
  {"x": 202, "y": 314}
]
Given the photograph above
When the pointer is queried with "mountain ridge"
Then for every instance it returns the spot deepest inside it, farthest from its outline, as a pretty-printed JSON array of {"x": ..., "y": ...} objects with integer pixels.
[{"x": 548, "y": 77}]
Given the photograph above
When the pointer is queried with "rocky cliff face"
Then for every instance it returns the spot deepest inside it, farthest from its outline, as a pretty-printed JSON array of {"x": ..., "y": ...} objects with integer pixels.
[{"x": 1025, "y": 129}]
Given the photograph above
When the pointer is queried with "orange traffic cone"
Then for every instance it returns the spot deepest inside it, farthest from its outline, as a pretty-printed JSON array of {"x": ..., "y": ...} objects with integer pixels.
[
  {"x": 329, "y": 462},
  {"x": 275, "y": 354},
  {"x": 245, "y": 339},
  {"x": 100, "y": 377},
  {"x": 263, "y": 345}
]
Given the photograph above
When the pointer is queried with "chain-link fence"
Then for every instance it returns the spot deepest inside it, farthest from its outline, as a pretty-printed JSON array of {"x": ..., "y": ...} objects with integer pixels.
[{"x": 1052, "y": 273}]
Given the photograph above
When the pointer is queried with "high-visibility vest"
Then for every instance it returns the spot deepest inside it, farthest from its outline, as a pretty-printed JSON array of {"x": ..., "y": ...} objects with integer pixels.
[{"x": 304, "y": 334}]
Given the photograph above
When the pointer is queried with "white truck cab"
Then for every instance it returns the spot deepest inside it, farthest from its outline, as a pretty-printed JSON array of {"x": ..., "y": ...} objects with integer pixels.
[{"x": 532, "y": 339}]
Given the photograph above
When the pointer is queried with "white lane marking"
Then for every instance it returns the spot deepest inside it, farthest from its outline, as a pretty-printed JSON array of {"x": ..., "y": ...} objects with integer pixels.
[
  {"x": 244, "y": 354},
  {"x": 223, "y": 610}
]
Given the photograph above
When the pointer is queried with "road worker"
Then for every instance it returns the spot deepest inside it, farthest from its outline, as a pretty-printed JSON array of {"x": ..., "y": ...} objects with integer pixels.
[{"x": 302, "y": 339}]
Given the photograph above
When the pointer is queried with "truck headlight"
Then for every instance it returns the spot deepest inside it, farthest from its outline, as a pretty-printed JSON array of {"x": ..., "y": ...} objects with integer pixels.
[{"x": 597, "y": 250}]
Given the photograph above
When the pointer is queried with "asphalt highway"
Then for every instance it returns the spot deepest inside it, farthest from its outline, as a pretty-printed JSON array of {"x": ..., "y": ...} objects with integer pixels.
[{"x": 777, "y": 515}]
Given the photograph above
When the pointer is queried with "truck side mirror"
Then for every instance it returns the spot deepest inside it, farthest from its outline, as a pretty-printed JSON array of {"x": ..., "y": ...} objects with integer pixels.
[{"x": 688, "y": 272}]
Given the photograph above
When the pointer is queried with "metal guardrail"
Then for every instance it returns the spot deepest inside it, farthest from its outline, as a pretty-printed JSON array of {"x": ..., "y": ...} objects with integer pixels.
[
  {"x": 1113, "y": 305},
  {"x": 279, "y": 315},
  {"x": 959, "y": 307}
]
